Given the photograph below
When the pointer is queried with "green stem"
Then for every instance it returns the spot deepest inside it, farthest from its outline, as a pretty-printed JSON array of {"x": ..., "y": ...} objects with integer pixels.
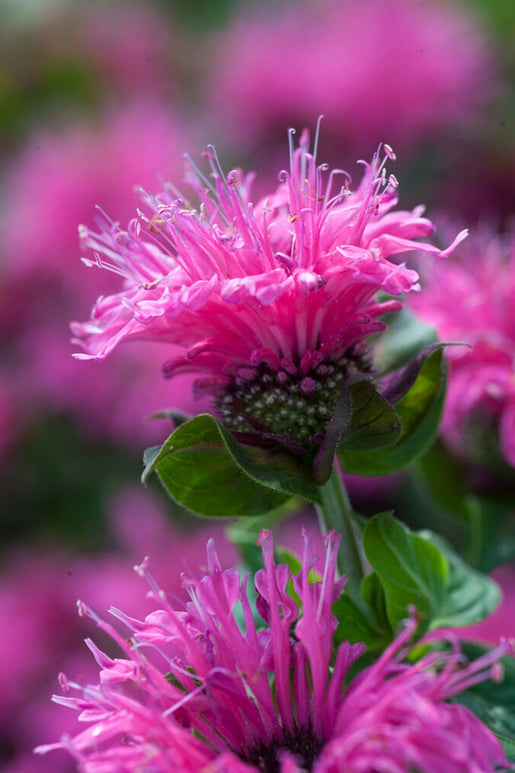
[{"x": 335, "y": 512}]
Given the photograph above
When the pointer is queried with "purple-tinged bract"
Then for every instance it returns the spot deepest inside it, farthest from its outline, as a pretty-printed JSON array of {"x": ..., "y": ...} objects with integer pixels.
[{"x": 205, "y": 687}]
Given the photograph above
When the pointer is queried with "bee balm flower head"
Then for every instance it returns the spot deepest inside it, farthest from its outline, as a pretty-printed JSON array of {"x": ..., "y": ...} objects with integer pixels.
[
  {"x": 272, "y": 303},
  {"x": 205, "y": 687}
]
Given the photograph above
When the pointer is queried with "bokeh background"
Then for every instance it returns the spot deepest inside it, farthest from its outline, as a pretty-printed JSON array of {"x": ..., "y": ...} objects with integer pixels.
[{"x": 96, "y": 97}]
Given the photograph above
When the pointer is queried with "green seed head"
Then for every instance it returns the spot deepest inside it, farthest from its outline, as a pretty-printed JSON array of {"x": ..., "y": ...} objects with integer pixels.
[{"x": 294, "y": 406}]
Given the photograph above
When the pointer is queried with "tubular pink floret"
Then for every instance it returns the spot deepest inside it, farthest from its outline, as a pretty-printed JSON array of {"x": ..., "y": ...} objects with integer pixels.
[{"x": 487, "y": 666}]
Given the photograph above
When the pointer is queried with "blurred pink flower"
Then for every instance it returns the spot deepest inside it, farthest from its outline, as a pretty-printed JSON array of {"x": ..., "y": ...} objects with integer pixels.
[
  {"x": 134, "y": 46},
  {"x": 196, "y": 690},
  {"x": 271, "y": 303},
  {"x": 395, "y": 69},
  {"x": 112, "y": 402},
  {"x": 34, "y": 589},
  {"x": 470, "y": 299}
]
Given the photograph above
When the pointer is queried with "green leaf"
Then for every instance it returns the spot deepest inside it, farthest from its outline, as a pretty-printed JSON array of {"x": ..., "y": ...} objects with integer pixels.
[
  {"x": 411, "y": 569},
  {"x": 362, "y": 421},
  {"x": 356, "y": 626},
  {"x": 323, "y": 461},
  {"x": 205, "y": 469},
  {"x": 421, "y": 569},
  {"x": 366, "y": 623},
  {"x": 469, "y": 596},
  {"x": 419, "y": 412},
  {"x": 374, "y": 423},
  {"x": 274, "y": 468},
  {"x": 372, "y": 593}
]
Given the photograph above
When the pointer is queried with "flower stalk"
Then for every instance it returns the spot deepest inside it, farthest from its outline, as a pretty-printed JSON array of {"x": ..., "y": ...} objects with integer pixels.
[{"x": 336, "y": 513}]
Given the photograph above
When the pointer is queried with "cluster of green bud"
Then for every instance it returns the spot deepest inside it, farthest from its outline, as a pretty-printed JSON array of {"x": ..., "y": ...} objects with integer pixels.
[{"x": 287, "y": 403}]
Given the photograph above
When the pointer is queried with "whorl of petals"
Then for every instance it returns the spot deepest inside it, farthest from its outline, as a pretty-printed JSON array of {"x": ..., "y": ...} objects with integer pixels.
[{"x": 292, "y": 273}]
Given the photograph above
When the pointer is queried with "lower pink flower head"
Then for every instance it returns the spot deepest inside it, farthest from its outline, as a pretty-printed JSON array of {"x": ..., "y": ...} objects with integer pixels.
[
  {"x": 206, "y": 687},
  {"x": 470, "y": 300},
  {"x": 272, "y": 303}
]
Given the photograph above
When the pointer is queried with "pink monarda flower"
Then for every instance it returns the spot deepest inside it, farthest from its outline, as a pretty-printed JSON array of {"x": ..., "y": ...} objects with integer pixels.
[
  {"x": 204, "y": 687},
  {"x": 470, "y": 299},
  {"x": 145, "y": 56},
  {"x": 272, "y": 303}
]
